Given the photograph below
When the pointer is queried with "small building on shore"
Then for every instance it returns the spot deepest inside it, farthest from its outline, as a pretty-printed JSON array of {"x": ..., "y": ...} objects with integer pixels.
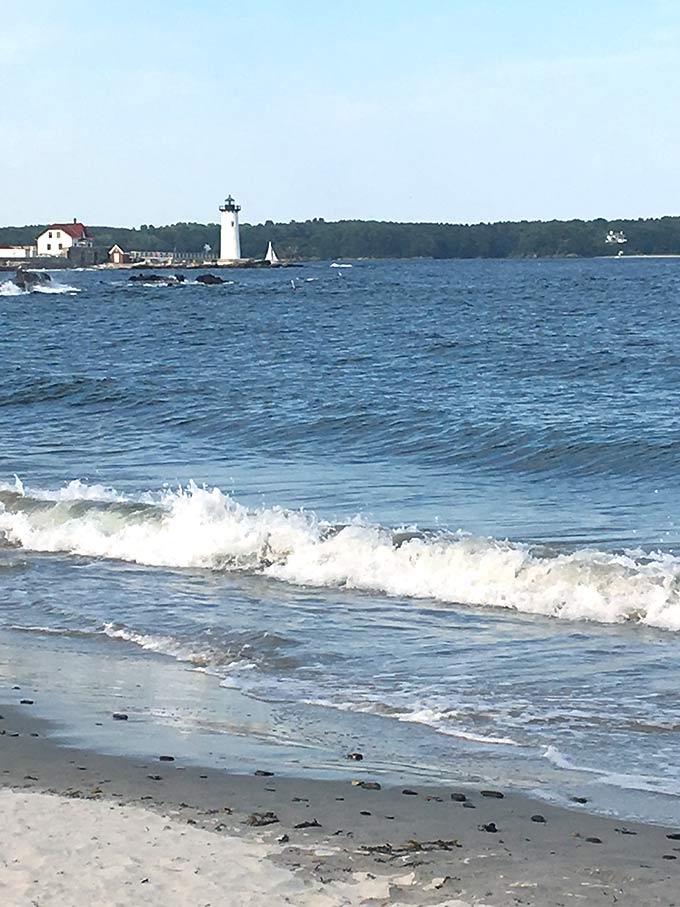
[
  {"x": 14, "y": 253},
  {"x": 118, "y": 256},
  {"x": 57, "y": 239}
]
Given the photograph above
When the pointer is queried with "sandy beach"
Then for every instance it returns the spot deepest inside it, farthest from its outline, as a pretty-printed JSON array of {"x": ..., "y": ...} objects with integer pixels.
[{"x": 85, "y": 828}]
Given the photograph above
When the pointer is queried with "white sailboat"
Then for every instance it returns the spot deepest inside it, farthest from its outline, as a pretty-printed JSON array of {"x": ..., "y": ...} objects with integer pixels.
[{"x": 271, "y": 255}]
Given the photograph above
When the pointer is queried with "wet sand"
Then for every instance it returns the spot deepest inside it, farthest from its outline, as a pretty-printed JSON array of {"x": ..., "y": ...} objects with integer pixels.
[{"x": 342, "y": 842}]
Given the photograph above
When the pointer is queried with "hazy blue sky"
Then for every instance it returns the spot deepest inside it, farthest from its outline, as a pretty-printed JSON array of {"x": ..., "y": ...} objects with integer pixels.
[{"x": 468, "y": 110}]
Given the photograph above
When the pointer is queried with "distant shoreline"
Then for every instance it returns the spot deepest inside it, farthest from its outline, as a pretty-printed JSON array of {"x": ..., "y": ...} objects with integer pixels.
[{"x": 319, "y": 240}]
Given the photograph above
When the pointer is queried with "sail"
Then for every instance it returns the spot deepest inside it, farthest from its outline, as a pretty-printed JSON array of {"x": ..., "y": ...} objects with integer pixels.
[{"x": 271, "y": 255}]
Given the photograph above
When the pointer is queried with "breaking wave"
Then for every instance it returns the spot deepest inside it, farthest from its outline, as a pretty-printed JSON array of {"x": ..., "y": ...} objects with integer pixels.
[
  {"x": 196, "y": 527},
  {"x": 9, "y": 288}
]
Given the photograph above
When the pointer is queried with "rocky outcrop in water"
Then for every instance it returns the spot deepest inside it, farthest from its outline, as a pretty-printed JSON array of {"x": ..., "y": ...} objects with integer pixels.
[
  {"x": 27, "y": 280},
  {"x": 209, "y": 279}
]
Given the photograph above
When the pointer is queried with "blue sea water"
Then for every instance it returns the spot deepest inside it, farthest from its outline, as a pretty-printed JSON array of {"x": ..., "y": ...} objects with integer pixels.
[{"x": 426, "y": 506}]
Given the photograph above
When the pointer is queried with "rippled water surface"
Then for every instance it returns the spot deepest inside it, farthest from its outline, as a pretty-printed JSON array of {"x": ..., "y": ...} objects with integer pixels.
[{"x": 439, "y": 493}]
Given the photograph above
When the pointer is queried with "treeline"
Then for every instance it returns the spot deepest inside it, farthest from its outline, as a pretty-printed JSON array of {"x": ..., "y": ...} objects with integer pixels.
[{"x": 318, "y": 239}]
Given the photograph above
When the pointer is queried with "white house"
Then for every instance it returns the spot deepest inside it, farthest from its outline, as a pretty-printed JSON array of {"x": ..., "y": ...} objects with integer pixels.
[{"x": 57, "y": 239}]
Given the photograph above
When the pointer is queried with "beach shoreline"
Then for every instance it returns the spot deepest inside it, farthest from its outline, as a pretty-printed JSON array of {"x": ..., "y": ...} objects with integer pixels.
[{"x": 340, "y": 840}]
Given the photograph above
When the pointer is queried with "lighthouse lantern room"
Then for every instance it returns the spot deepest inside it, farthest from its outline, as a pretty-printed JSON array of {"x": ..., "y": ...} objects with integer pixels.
[{"x": 230, "y": 240}]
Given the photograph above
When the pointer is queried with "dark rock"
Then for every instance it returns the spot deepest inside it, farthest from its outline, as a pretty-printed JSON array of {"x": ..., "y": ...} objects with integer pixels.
[
  {"x": 261, "y": 773},
  {"x": 625, "y": 831},
  {"x": 26, "y": 280},
  {"x": 364, "y": 812},
  {"x": 26, "y": 702},
  {"x": 578, "y": 799},
  {"x": 356, "y": 757},
  {"x": 369, "y": 785},
  {"x": 669, "y": 856},
  {"x": 594, "y": 840},
  {"x": 469, "y": 805},
  {"x": 314, "y": 823},
  {"x": 488, "y": 826},
  {"x": 179, "y": 278},
  {"x": 409, "y": 792},
  {"x": 119, "y": 716},
  {"x": 259, "y": 819},
  {"x": 166, "y": 758},
  {"x": 282, "y": 839},
  {"x": 495, "y": 794},
  {"x": 149, "y": 278},
  {"x": 538, "y": 818},
  {"x": 674, "y": 836},
  {"x": 458, "y": 798},
  {"x": 209, "y": 279},
  {"x": 155, "y": 777}
]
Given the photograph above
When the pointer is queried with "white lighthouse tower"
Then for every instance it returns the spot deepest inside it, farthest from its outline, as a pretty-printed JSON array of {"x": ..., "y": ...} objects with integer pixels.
[{"x": 230, "y": 240}]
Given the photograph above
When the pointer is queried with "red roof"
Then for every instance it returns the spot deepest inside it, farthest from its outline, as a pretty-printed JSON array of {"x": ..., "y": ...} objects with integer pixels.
[{"x": 76, "y": 230}]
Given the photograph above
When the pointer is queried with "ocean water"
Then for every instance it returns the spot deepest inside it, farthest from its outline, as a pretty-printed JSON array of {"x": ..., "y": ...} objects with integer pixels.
[{"x": 425, "y": 507}]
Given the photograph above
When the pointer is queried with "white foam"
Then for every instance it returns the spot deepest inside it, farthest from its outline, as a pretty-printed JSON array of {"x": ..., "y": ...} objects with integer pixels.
[
  {"x": 615, "y": 779},
  {"x": 164, "y": 645},
  {"x": 9, "y": 288},
  {"x": 204, "y": 528},
  {"x": 81, "y": 491},
  {"x": 46, "y": 631},
  {"x": 56, "y": 288},
  {"x": 435, "y": 718}
]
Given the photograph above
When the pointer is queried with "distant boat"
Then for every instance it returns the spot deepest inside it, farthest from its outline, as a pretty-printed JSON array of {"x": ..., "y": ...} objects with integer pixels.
[
  {"x": 339, "y": 264},
  {"x": 271, "y": 255}
]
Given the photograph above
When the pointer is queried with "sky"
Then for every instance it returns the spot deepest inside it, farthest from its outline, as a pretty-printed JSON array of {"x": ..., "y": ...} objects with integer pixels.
[{"x": 462, "y": 111}]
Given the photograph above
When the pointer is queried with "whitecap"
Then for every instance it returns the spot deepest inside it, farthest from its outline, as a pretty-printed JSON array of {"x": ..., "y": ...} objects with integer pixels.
[{"x": 196, "y": 527}]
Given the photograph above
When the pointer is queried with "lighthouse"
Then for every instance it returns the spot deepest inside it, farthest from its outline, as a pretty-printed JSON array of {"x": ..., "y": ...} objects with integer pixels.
[{"x": 230, "y": 241}]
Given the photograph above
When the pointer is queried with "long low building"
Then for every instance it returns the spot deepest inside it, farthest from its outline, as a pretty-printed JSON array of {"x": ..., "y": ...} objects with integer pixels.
[{"x": 16, "y": 252}]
